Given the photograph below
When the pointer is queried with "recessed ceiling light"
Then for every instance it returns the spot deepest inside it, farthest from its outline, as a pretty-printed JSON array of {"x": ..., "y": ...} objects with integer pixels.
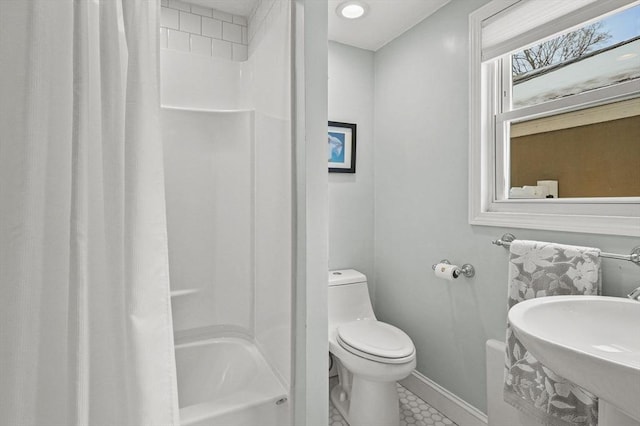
[{"x": 352, "y": 9}]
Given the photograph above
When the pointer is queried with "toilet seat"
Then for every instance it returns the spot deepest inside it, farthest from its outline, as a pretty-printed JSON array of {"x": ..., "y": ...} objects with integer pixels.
[{"x": 376, "y": 341}]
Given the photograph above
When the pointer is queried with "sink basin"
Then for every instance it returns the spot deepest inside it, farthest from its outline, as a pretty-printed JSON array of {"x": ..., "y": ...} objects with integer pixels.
[{"x": 594, "y": 341}]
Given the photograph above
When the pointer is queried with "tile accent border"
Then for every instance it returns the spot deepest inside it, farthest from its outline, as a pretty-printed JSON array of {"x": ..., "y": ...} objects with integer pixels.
[
  {"x": 449, "y": 404},
  {"x": 203, "y": 31}
]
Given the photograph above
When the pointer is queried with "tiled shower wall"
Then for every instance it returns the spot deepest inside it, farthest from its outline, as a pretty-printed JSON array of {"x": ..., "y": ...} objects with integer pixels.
[
  {"x": 261, "y": 18},
  {"x": 204, "y": 31}
]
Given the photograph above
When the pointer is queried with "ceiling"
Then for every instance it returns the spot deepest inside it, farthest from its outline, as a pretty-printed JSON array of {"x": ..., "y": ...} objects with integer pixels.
[{"x": 386, "y": 19}]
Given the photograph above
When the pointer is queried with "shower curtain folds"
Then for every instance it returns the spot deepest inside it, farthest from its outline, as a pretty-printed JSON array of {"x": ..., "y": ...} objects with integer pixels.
[{"x": 85, "y": 318}]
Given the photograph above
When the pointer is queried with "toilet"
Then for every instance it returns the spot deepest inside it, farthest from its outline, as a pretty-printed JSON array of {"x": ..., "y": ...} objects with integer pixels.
[{"x": 371, "y": 355}]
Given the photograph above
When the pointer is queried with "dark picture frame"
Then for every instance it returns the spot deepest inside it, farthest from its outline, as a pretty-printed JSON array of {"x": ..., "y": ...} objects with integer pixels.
[{"x": 342, "y": 147}]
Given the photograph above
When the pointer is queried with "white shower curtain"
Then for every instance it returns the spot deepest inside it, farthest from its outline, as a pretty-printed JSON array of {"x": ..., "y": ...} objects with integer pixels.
[{"x": 85, "y": 321}]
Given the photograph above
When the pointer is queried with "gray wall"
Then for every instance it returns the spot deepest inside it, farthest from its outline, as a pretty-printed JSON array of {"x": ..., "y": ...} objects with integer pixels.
[
  {"x": 420, "y": 162},
  {"x": 351, "y": 195}
]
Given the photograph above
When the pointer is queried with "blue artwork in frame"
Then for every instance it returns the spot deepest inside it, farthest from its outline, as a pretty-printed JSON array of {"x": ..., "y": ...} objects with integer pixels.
[{"x": 341, "y": 152}]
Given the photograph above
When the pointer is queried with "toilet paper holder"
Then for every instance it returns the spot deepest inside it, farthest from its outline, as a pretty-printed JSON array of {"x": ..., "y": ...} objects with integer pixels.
[{"x": 467, "y": 269}]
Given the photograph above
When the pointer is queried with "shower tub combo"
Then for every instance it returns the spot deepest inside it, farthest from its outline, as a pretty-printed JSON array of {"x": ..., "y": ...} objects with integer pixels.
[
  {"x": 226, "y": 132},
  {"x": 226, "y": 381},
  {"x": 227, "y": 373}
]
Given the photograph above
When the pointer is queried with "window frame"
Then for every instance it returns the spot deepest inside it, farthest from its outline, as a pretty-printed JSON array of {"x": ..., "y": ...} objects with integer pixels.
[{"x": 488, "y": 201}]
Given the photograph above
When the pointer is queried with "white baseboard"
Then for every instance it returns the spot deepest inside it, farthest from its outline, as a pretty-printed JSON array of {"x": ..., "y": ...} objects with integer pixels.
[{"x": 452, "y": 406}]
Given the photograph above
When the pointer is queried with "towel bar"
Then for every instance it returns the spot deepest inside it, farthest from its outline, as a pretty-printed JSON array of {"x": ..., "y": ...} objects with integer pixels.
[{"x": 506, "y": 239}]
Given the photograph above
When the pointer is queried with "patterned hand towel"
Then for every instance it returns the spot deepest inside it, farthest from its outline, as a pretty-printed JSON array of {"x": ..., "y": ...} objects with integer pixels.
[{"x": 538, "y": 269}]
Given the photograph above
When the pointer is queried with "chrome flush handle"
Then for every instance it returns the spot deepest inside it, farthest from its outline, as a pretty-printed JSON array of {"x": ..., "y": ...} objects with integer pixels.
[{"x": 635, "y": 294}]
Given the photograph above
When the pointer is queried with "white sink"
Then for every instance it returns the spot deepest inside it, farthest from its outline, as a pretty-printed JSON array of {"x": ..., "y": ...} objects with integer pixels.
[{"x": 594, "y": 341}]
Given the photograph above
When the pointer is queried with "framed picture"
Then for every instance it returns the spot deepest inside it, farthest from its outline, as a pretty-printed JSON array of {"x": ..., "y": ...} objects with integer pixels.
[{"x": 342, "y": 147}]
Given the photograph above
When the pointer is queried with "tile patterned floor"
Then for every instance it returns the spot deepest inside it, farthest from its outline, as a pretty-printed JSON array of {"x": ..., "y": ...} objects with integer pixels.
[{"x": 413, "y": 411}]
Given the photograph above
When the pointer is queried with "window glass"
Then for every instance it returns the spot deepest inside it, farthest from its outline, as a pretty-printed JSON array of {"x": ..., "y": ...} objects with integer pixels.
[
  {"x": 569, "y": 147},
  {"x": 581, "y": 154},
  {"x": 600, "y": 54}
]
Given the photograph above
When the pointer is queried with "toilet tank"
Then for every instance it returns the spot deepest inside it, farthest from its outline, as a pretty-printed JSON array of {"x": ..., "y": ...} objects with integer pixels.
[{"x": 348, "y": 297}]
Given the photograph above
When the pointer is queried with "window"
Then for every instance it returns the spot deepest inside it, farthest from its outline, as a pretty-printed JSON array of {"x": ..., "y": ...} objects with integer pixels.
[{"x": 555, "y": 115}]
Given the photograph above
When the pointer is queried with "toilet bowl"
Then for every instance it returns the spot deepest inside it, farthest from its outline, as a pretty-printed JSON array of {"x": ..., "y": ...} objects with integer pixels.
[{"x": 371, "y": 355}]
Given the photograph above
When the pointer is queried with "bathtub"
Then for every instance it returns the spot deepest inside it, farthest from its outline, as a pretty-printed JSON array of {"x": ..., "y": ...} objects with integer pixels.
[{"x": 226, "y": 381}]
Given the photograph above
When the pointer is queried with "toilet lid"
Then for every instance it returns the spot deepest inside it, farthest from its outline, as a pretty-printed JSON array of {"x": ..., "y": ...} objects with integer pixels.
[{"x": 376, "y": 340}]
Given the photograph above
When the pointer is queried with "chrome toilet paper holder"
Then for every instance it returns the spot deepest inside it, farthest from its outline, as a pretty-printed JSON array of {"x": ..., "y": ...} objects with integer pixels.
[{"x": 467, "y": 269}]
